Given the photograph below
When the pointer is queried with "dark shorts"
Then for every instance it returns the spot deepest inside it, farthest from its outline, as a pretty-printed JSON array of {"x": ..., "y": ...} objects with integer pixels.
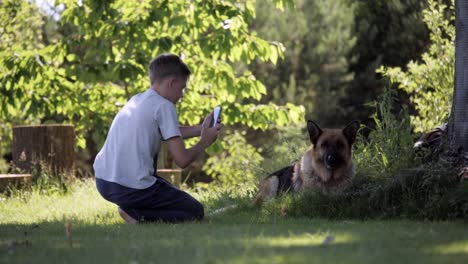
[{"x": 160, "y": 202}]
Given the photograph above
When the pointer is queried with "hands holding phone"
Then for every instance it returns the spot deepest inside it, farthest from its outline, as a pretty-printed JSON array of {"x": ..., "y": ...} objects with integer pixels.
[
  {"x": 216, "y": 116},
  {"x": 211, "y": 126}
]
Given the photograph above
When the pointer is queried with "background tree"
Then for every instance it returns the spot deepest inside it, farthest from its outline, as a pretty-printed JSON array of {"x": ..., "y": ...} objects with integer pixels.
[
  {"x": 22, "y": 28},
  {"x": 458, "y": 127},
  {"x": 333, "y": 49},
  {"x": 100, "y": 59},
  {"x": 390, "y": 33},
  {"x": 314, "y": 72}
]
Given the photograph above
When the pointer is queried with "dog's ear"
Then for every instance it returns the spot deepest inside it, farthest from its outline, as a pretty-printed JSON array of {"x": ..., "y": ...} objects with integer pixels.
[
  {"x": 350, "y": 131},
  {"x": 314, "y": 131}
]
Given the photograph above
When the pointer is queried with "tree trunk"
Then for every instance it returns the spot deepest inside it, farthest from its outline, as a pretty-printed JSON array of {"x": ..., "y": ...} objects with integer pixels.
[
  {"x": 49, "y": 147},
  {"x": 458, "y": 129}
]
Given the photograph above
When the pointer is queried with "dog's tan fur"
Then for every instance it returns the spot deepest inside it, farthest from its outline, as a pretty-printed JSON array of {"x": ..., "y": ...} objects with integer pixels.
[{"x": 326, "y": 167}]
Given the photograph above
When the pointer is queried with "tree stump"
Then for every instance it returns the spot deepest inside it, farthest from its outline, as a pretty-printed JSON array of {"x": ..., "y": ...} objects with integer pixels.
[{"x": 50, "y": 147}]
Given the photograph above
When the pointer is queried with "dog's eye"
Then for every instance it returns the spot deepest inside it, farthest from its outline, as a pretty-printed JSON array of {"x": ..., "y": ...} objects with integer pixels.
[
  {"x": 339, "y": 145},
  {"x": 324, "y": 144}
]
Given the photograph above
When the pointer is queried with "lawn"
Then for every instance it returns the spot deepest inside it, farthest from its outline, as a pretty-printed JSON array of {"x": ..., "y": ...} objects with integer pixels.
[{"x": 32, "y": 230}]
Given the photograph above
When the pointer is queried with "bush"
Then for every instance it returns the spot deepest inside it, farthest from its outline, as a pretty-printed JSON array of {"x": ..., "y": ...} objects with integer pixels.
[
  {"x": 389, "y": 147},
  {"x": 236, "y": 165}
]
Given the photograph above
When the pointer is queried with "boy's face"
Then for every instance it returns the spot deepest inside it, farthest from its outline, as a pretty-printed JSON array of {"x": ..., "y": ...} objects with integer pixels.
[{"x": 177, "y": 88}]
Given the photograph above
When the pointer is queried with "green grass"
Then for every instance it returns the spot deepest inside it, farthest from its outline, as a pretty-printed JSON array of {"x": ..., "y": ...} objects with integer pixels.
[{"x": 32, "y": 230}]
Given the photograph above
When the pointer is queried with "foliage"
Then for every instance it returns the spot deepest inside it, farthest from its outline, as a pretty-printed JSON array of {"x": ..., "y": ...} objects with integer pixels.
[
  {"x": 237, "y": 165},
  {"x": 4, "y": 166},
  {"x": 97, "y": 59},
  {"x": 430, "y": 83}
]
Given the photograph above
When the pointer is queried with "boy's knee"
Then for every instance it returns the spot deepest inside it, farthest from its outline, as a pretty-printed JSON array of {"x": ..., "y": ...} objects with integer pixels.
[{"x": 199, "y": 210}]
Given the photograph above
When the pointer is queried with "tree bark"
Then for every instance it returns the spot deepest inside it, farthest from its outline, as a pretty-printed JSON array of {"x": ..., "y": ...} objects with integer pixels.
[
  {"x": 458, "y": 129},
  {"x": 51, "y": 146}
]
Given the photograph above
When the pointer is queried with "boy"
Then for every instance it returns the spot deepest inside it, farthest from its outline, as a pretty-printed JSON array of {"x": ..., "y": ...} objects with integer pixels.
[{"x": 124, "y": 169}]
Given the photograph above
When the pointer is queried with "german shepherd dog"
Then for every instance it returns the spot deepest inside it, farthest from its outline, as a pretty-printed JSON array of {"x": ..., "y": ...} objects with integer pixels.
[{"x": 326, "y": 167}]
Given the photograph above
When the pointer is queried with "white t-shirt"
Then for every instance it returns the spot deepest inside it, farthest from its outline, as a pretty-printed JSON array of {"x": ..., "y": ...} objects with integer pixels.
[{"x": 134, "y": 138}]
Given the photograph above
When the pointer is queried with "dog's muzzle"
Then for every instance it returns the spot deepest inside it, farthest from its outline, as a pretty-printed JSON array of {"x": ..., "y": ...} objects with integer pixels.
[{"x": 332, "y": 161}]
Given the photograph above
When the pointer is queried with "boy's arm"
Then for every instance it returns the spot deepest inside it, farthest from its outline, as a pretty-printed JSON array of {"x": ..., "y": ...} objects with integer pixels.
[
  {"x": 195, "y": 131},
  {"x": 182, "y": 156},
  {"x": 190, "y": 131}
]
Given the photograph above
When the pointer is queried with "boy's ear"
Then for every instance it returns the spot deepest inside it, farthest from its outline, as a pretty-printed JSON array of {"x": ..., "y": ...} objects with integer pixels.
[
  {"x": 350, "y": 131},
  {"x": 314, "y": 131},
  {"x": 172, "y": 81}
]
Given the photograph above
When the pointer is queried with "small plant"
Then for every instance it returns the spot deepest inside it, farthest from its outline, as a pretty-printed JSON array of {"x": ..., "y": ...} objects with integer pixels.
[
  {"x": 46, "y": 181},
  {"x": 389, "y": 147},
  {"x": 235, "y": 166},
  {"x": 4, "y": 166},
  {"x": 290, "y": 143}
]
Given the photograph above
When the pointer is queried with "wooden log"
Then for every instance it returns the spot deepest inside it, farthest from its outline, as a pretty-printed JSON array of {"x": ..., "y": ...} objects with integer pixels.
[
  {"x": 165, "y": 159},
  {"x": 166, "y": 166},
  {"x": 51, "y": 146},
  {"x": 173, "y": 176},
  {"x": 14, "y": 181}
]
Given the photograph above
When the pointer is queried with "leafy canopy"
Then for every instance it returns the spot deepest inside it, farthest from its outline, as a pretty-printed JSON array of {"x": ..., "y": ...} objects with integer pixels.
[{"x": 97, "y": 57}]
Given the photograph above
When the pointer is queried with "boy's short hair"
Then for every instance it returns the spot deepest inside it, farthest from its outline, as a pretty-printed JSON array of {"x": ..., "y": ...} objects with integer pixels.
[{"x": 165, "y": 65}]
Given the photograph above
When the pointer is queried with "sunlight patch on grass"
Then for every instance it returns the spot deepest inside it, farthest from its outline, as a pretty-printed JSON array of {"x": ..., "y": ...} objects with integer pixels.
[
  {"x": 304, "y": 240},
  {"x": 83, "y": 203},
  {"x": 460, "y": 247}
]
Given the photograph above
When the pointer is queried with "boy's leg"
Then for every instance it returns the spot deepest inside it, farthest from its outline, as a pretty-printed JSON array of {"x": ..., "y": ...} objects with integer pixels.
[
  {"x": 163, "y": 202},
  {"x": 127, "y": 217},
  {"x": 114, "y": 192},
  {"x": 160, "y": 202}
]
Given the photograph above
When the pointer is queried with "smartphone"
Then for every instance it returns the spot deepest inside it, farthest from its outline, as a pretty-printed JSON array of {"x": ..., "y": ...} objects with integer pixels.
[{"x": 216, "y": 115}]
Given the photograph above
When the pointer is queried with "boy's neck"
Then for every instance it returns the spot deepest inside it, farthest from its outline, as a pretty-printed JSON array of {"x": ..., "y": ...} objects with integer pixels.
[{"x": 160, "y": 90}]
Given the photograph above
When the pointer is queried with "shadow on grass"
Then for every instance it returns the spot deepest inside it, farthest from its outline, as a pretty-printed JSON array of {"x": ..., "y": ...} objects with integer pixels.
[{"x": 237, "y": 240}]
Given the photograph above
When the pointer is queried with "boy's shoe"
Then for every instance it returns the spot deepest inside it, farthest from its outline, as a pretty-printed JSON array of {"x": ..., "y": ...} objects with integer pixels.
[{"x": 127, "y": 217}]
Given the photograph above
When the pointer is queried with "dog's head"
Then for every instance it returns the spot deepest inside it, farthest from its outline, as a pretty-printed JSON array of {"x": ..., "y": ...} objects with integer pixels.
[{"x": 332, "y": 147}]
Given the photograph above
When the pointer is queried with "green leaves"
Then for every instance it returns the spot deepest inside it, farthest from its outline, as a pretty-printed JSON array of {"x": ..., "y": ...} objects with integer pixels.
[
  {"x": 98, "y": 55},
  {"x": 237, "y": 164},
  {"x": 430, "y": 83}
]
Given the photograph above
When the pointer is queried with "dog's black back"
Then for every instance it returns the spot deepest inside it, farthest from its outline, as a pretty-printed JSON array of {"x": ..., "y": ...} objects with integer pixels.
[{"x": 285, "y": 178}]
